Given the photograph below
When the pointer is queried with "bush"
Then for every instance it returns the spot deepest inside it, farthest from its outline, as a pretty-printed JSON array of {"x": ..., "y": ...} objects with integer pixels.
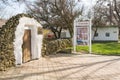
[{"x": 54, "y": 46}]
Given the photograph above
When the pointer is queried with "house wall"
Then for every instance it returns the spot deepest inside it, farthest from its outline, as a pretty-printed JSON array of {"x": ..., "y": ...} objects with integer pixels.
[
  {"x": 113, "y": 34},
  {"x": 36, "y": 40},
  {"x": 113, "y": 31},
  {"x": 65, "y": 34}
]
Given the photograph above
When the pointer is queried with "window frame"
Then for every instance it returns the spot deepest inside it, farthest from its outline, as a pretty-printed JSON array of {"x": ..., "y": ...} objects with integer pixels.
[{"x": 107, "y": 34}]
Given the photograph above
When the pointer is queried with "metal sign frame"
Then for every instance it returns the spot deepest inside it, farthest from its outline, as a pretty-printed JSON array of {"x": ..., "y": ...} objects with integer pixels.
[{"x": 80, "y": 24}]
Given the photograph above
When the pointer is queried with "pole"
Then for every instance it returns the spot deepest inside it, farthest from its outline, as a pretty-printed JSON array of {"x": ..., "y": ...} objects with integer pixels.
[
  {"x": 74, "y": 38},
  {"x": 90, "y": 38},
  {"x": 90, "y": 30},
  {"x": 110, "y": 12}
]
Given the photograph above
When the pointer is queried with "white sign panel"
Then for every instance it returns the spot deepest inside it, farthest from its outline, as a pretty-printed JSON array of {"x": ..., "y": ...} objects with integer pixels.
[
  {"x": 82, "y": 33},
  {"x": 82, "y": 23}
]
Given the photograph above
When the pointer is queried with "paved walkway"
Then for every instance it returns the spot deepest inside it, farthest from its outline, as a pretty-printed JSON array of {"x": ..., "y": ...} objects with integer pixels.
[{"x": 67, "y": 67}]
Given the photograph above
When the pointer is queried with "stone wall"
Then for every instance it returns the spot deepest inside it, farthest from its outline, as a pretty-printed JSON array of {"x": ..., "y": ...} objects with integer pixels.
[
  {"x": 54, "y": 46},
  {"x": 7, "y": 35}
]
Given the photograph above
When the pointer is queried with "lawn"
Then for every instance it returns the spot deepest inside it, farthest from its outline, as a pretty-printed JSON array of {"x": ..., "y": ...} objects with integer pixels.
[{"x": 106, "y": 48}]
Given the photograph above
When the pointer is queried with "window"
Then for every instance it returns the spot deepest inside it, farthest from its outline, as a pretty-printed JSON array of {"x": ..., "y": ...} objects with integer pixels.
[
  {"x": 107, "y": 34},
  {"x": 96, "y": 34}
]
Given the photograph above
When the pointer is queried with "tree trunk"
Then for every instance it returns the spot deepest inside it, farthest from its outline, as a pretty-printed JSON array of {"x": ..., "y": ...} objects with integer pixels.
[
  {"x": 59, "y": 33},
  {"x": 55, "y": 34},
  {"x": 95, "y": 32}
]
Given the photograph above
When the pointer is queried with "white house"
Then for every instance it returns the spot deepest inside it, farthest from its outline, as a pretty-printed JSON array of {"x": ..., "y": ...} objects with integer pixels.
[
  {"x": 106, "y": 34},
  {"x": 103, "y": 34}
]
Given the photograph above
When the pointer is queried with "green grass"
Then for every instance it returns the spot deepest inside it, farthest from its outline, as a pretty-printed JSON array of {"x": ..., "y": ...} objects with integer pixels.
[{"x": 106, "y": 48}]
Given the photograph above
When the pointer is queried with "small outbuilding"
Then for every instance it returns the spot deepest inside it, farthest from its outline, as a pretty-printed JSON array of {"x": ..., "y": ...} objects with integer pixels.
[{"x": 21, "y": 40}]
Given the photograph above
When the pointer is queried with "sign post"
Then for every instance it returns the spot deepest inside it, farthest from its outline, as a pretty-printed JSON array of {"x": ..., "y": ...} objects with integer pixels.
[
  {"x": 74, "y": 37},
  {"x": 90, "y": 39},
  {"x": 82, "y": 33}
]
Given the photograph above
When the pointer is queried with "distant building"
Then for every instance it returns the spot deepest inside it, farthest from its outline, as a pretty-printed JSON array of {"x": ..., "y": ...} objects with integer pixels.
[
  {"x": 102, "y": 34},
  {"x": 106, "y": 34},
  {"x": 65, "y": 34}
]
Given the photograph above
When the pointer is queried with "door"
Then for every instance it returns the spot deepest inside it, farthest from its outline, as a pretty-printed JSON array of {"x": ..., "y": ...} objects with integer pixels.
[{"x": 26, "y": 46}]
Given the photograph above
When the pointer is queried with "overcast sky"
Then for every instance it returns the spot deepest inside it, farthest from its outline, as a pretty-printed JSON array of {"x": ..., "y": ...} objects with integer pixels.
[
  {"x": 12, "y": 9},
  {"x": 16, "y": 8}
]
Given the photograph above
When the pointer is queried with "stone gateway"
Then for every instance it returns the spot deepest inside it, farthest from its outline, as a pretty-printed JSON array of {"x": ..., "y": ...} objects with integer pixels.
[{"x": 20, "y": 41}]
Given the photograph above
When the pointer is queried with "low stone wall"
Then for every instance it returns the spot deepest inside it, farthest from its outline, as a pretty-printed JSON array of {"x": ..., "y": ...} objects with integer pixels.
[{"x": 54, "y": 46}]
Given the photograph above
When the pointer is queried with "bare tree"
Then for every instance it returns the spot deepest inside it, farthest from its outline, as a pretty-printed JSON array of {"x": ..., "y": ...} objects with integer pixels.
[
  {"x": 107, "y": 13},
  {"x": 100, "y": 16},
  {"x": 112, "y": 11},
  {"x": 56, "y": 14},
  {"x": 116, "y": 11}
]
